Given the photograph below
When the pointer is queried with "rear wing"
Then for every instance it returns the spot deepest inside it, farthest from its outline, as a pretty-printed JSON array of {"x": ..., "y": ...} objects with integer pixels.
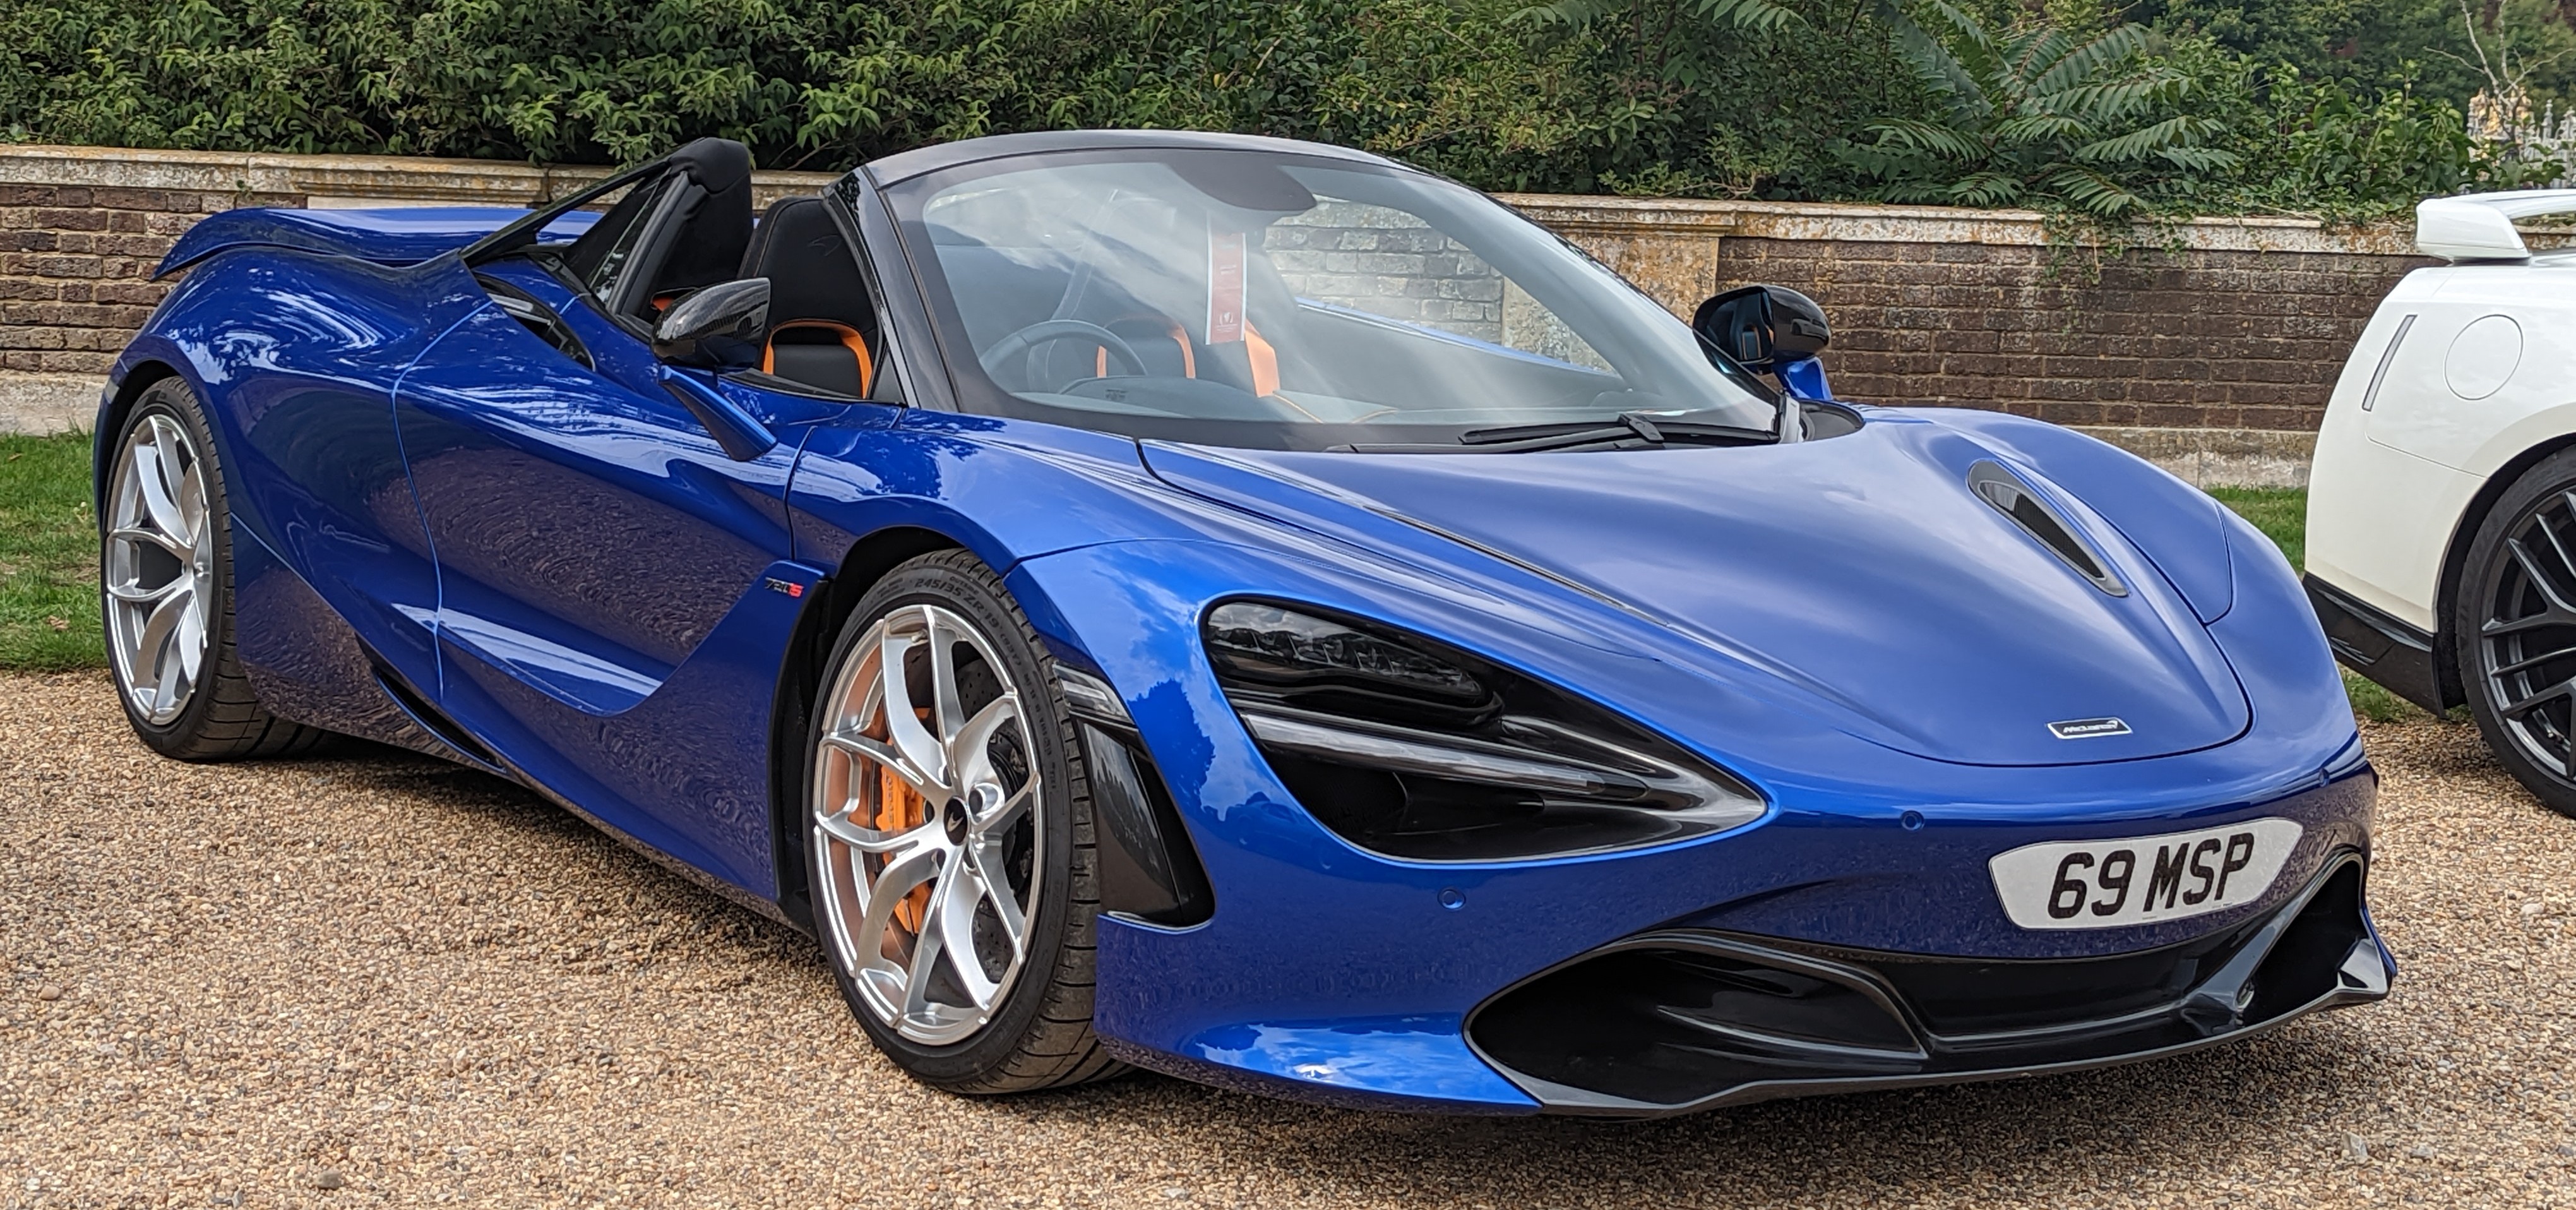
[{"x": 2480, "y": 226}]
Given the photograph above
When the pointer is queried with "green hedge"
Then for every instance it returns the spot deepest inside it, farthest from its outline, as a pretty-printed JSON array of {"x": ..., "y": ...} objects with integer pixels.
[{"x": 1769, "y": 98}]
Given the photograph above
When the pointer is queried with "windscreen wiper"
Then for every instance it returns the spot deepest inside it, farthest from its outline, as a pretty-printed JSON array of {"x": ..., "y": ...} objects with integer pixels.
[{"x": 1633, "y": 430}]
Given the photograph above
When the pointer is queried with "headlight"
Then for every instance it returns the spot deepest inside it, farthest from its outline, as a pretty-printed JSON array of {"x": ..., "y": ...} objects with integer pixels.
[{"x": 1410, "y": 748}]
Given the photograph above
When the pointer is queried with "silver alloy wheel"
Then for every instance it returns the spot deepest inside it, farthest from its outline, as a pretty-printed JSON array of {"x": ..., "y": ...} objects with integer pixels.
[
  {"x": 159, "y": 569},
  {"x": 926, "y": 816}
]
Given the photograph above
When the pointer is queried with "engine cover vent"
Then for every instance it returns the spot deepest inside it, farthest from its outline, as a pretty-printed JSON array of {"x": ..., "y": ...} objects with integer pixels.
[{"x": 2013, "y": 498}]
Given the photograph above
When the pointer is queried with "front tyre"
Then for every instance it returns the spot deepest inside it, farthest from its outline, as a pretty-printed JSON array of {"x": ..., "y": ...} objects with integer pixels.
[
  {"x": 166, "y": 590},
  {"x": 948, "y": 827},
  {"x": 2514, "y": 629}
]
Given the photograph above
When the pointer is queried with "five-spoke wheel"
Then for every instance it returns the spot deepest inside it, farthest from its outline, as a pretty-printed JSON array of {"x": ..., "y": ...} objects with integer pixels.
[
  {"x": 948, "y": 843},
  {"x": 160, "y": 556},
  {"x": 166, "y": 589},
  {"x": 925, "y": 823}
]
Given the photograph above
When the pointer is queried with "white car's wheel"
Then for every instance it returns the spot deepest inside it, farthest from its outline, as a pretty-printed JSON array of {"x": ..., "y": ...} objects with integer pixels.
[{"x": 2515, "y": 627}]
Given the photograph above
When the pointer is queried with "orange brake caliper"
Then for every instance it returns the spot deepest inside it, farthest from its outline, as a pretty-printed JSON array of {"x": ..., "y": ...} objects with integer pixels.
[{"x": 900, "y": 808}]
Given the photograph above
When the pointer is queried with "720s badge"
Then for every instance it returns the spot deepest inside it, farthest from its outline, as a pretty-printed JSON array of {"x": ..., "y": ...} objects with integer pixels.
[{"x": 2111, "y": 883}]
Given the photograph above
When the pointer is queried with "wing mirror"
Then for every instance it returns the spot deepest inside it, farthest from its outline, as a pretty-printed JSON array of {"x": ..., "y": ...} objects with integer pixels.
[
  {"x": 1769, "y": 330},
  {"x": 1762, "y": 327},
  {"x": 720, "y": 327}
]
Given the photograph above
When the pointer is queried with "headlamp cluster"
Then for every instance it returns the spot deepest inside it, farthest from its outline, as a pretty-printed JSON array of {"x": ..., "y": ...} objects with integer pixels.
[{"x": 1411, "y": 748}]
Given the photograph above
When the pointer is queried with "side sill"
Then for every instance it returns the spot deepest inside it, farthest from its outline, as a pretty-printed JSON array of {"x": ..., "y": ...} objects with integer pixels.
[{"x": 2390, "y": 652}]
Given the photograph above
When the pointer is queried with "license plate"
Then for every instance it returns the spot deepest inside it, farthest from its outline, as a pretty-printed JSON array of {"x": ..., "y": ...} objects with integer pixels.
[{"x": 2092, "y": 884}]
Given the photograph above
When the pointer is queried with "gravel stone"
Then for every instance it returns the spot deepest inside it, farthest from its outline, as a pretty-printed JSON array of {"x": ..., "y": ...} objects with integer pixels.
[{"x": 446, "y": 991}]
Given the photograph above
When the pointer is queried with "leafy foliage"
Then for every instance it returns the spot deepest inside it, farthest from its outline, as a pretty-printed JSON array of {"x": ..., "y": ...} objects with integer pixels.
[
  {"x": 2326, "y": 146},
  {"x": 805, "y": 82},
  {"x": 1980, "y": 102},
  {"x": 1765, "y": 16},
  {"x": 2036, "y": 114}
]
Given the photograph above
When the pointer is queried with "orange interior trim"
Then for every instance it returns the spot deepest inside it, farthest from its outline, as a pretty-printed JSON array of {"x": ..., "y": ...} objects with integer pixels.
[
  {"x": 1180, "y": 340},
  {"x": 850, "y": 339},
  {"x": 1264, "y": 359}
]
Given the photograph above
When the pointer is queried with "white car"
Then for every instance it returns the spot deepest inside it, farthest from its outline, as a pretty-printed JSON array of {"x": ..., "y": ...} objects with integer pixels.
[{"x": 2442, "y": 503}]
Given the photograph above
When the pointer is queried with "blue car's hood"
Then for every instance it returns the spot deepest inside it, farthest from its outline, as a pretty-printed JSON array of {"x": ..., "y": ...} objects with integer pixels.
[{"x": 1856, "y": 579}]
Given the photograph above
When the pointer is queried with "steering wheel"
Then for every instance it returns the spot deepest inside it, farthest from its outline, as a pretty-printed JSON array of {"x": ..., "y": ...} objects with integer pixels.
[{"x": 1028, "y": 340}]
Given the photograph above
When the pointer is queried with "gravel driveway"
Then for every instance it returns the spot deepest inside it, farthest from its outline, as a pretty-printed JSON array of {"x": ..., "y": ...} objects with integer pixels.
[{"x": 386, "y": 980}]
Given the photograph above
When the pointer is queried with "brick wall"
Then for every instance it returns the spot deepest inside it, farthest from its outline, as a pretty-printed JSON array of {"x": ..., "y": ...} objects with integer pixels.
[
  {"x": 1386, "y": 262},
  {"x": 2215, "y": 349},
  {"x": 82, "y": 227},
  {"x": 75, "y": 263},
  {"x": 2194, "y": 338}
]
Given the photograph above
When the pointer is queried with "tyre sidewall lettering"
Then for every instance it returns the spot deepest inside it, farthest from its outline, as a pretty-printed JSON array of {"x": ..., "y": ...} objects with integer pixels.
[{"x": 1064, "y": 878}]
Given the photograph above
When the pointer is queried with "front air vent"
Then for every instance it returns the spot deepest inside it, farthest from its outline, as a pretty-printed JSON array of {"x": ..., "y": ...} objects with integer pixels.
[{"x": 2014, "y": 498}]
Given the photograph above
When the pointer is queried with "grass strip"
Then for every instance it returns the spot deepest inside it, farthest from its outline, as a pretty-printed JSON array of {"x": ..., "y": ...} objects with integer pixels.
[{"x": 48, "y": 555}]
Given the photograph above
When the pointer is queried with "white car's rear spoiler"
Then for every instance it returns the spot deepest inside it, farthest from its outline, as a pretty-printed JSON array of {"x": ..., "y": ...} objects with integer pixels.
[{"x": 2480, "y": 226}]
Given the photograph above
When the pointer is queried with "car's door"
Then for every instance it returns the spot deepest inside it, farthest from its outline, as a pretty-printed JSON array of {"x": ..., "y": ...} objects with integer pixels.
[{"x": 616, "y": 587}]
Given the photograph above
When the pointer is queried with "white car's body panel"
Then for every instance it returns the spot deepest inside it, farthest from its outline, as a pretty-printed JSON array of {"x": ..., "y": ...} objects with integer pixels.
[
  {"x": 2485, "y": 373},
  {"x": 2442, "y": 501}
]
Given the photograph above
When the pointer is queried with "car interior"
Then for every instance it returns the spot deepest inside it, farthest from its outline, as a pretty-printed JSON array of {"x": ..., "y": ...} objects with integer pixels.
[
  {"x": 822, "y": 330},
  {"x": 1297, "y": 359},
  {"x": 1025, "y": 289},
  {"x": 693, "y": 227}
]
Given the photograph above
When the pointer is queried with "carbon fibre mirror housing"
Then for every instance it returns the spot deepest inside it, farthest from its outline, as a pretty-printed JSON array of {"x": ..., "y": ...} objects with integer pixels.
[
  {"x": 720, "y": 327},
  {"x": 1763, "y": 327}
]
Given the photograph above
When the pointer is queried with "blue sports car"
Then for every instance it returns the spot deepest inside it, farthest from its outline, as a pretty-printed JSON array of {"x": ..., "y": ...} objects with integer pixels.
[{"x": 1254, "y": 611}]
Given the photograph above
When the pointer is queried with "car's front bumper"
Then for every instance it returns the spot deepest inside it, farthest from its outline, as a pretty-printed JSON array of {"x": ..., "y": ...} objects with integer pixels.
[
  {"x": 1680, "y": 1020},
  {"x": 1325, "y": 972}
]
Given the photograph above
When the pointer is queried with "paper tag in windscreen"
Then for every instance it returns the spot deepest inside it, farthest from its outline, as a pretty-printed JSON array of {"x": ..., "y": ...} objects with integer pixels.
[{"x": 1225, "y": 287}]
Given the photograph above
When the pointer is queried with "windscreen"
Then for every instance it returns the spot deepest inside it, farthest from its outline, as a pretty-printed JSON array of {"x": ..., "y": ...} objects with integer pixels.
[{"x": 1272, "y": 300}]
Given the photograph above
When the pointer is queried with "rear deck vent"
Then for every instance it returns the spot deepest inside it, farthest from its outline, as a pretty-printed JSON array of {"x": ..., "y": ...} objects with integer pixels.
[{"x": 2014, "y": 499}]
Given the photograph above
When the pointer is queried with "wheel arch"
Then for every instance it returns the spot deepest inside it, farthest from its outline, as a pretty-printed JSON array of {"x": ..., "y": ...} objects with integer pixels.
[
  {"x": 139, "y": 377},
  {"x": 867, "y": 561},
  {"x": 2455, "y": 558}
]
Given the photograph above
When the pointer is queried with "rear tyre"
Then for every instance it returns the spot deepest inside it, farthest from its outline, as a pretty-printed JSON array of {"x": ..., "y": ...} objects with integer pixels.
[
  {"x": 166, "y": 590},
  {"x": 949, "y": 831},
  {"x": 2514, "y": 630}
]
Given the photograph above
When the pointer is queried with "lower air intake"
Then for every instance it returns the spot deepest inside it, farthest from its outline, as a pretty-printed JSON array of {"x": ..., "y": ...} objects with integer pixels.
[{"x": 1689, "y": 1019}]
